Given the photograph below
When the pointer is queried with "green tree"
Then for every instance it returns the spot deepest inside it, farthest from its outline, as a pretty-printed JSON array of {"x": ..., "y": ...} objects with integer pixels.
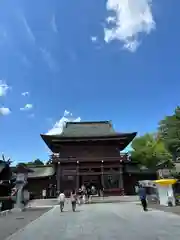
[
  {"x": 150, "y": 151},
  {"x": 36, "y": 162},
  {"x": 169, "y": 132}
]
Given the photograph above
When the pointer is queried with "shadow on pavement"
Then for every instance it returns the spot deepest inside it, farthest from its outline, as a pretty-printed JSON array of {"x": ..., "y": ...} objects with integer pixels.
[
  {"x": 15, "y": 221},
  {"x": 70, "y": 211}
]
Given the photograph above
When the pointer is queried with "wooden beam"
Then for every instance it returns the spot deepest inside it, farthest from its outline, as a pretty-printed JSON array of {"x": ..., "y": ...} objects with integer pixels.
[
  {"x": 115, "y": 138},
  {"x": 122, "y": 157},
  {"x": 91, "y": 173}
]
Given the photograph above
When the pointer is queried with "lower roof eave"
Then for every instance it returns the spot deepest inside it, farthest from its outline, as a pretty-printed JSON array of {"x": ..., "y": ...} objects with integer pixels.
[
  {"x": 54, "y": 142},
  {"x": 39, "y": 177},
  {"x": 118, "y": 137}
]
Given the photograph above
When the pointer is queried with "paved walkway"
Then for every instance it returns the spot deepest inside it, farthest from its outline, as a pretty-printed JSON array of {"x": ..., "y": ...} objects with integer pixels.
[
  {"x": 125, "y": 221},
  {"x": 112, "y": 199}
]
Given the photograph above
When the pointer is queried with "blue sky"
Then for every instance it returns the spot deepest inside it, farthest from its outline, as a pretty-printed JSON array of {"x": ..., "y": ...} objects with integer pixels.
[{"x": 99, "y": 60}]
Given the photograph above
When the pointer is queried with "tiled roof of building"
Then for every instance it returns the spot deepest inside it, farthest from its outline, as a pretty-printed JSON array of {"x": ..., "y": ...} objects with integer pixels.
[
  {"x": 40, "y": 171},
  {"x": 85, "y": 129}
]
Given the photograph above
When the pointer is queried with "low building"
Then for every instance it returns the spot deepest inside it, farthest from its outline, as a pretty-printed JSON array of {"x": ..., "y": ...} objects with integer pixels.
[{"x": 40, "y": 178}]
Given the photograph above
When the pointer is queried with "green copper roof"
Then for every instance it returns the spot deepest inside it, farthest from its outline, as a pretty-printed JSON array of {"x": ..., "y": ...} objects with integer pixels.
[
  {"x": 2, "y": 166},
  {"x": 39, "y": 171},
  {"x": 88, "y": 130},
  {"x": 85, "y": 129}
]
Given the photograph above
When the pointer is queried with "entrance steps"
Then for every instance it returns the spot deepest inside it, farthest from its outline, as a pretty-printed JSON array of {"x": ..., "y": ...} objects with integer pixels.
[
  {"x": 37, "y": 203},
  {"x": 95, "y": 199},
  {"x": 112, "y": 199}
]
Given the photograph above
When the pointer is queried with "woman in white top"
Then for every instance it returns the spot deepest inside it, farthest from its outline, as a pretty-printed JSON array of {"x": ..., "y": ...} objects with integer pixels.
[{"x": 61, "y": 199}]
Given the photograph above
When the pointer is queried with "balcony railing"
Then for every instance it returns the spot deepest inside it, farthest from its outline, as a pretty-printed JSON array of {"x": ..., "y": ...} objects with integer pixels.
[{"x": 122, "y": 158}]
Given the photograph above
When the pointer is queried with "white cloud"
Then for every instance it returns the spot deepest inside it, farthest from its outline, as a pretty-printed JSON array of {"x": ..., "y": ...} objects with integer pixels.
[
  {"x": 25, "y": 94},
  {"x": 4, "y": 111},
  {"x": 131, "y": 18},
  {"x": 3, "y": 34},
  {"x": 3, "y": 88},
  {"x": 111, "y": 19},
  {"x": 48, "y": 58},
  {"x": 32, "y": 115},
  {"x": 66, "y": 113},
  {"x": 59, "y": 125},
  {"x": 94, "y": 39},
  {"x": 53, "y": 24},
  {"x": 25, "y": 61},
  {"x": 28, "y": 29},
  {"x": 28, "y": 106}
]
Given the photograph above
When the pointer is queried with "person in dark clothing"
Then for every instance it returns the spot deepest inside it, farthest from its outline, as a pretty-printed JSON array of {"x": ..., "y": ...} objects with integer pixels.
[
  {"x": 88, "y": 193},
  {"x": 142, "y": 196},
  {"x": 73, "y": 200}
]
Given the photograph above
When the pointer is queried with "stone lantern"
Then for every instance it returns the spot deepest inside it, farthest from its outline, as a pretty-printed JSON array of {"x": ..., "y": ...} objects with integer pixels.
[{"x": 21, "y": 180}]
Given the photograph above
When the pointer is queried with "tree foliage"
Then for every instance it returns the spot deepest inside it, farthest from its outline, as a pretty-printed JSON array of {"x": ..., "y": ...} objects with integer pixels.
[
  {"x": 169, "y": 132},
  {"x": 149, "y": 151},
  {"x": 36, "y": 162}
]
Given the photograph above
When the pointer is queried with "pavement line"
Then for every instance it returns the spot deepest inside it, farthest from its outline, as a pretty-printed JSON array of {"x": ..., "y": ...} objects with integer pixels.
[{"x": 11, "y": 237}]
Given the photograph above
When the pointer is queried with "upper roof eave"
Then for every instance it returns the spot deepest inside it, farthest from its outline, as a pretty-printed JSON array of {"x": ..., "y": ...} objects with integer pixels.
[
  {"x": 115, "y": 136},
  {"x": 123, "y": 139}
]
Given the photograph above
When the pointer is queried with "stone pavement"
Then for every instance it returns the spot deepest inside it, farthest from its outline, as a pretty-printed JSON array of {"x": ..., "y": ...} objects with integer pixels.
[
  {"x": 114, "y": 199},
  {"x": 95, "y": 199},
  {"x": 125, "y": 221}
]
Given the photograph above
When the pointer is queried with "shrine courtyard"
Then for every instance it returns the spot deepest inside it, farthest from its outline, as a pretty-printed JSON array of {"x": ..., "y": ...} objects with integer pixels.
[{"x": 123, "y": 221}]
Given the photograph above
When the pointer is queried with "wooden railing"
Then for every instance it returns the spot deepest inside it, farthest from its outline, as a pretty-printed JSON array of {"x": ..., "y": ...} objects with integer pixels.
[{"x": 121, "y": 158}]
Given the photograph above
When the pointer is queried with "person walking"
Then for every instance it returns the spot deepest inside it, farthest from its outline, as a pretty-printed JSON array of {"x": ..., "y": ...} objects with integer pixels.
[
  {"x": 80, "y": 194},
  {"x": 142, "y": 196},
  {"x": 62, "y": 198},
  {"x": 73, "y": 200},
  {"x": 44, "y": 193},
  {"x": 88, "y": 193}
]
